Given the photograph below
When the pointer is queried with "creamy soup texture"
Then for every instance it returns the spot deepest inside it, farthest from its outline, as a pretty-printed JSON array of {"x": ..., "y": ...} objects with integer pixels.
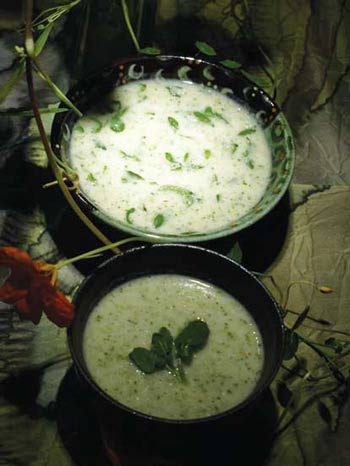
[
  {"x": 171, "y": 157},
  {"x": 221, "y": 375}
]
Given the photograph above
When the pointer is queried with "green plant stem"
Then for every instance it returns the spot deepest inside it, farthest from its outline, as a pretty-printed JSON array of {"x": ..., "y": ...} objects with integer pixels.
[
  {"x": 139, "y": 19},
  {"x": 129, "y": 26},
  {"x": 45, "y": 141},
  {"x": 89, "y": 254},
  {"x": 53, "y": 86}
]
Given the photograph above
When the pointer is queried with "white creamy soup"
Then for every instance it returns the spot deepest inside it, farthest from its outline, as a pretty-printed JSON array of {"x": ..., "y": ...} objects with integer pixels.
[
  {"x": 221, "y": 375},
  {"x": 171, "y": 157}
]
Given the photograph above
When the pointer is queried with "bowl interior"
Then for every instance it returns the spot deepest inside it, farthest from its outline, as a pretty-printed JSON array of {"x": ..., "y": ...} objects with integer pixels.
[
  {"x": 232, "y": 83},
  {"x": 195, "y": 262}
]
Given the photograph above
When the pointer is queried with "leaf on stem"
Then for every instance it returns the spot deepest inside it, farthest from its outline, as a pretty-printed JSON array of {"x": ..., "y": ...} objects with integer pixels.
[
  {"x": 205, "y": 48},
  {"x": 42, "y": 39},
  {"x": 236, "y": 253},
  {"x": 231, "y": 64},
  {"x": 150, "y": 51},
  {"x": 192, "y": 338},
  {"x": 291, "y": 344},
  {"x": 17, "y": 73},
  {"x": 302, "y": 316}
]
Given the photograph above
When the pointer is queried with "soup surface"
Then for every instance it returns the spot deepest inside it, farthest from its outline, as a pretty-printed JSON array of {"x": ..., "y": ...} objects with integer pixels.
[
  {"x": 220, "y": 376},
  {"x": 171, "y": 157}
]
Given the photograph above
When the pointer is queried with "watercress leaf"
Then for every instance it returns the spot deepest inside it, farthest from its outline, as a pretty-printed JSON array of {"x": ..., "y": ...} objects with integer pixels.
[
  {"x": 42, "y": 39},
  {"x": 205, "y": 48},
  {"x": 158, "y": 220},
  {"x": 162, "y": 345},
  {"x": 254, "y": 78},
  {"x": 150, "y": 51},
  {"x": 117, "y": 124},
  {"x": 193, "y": 337},
  {"x": 186, "y": 193},
  {"x": 236, "y": 253},
  {"x": 100, "y": 145},
  {"x": 209, "y": 112},
  {"x": 174, "y": 123},
  {"x": 134, "y": 175},
  {"x": 91, "y": 178},
  {"x": 98, "y": 126},
  {"x": 16, "y": 75},
  {"x": 291, "y": 344},
  {"x": 247, "y": 131},
  {"x": 169, "y": 157},
  {"x": 202, "y": 117},
  {"x": 144, "y": 359},
  {"x": 230, "y": 64},
  {"x": 128, "y": 213}
]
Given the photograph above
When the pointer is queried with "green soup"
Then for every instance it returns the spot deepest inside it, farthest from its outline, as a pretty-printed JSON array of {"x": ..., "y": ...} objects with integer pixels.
[{"x": 221, "y": 375}]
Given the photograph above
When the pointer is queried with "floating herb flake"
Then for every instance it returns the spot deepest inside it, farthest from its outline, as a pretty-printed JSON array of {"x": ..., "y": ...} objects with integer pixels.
[
  {"x": 134, "y": 175},
  {"x": 91, "y": 178},
  {"x": 158, "y": 220},
  {"x": 100, "y": 145},
  {"x": 128, "y": 213},
  {"x": 207, "y": 153},
  {"x": 202, "y": 117},
  {"x": 247, "y": 131},
  {"x": 174, "y": 123}
]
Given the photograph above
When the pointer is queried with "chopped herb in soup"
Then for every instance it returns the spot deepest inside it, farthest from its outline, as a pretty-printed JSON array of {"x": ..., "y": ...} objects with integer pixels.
[
  {"x": 219, "y": 374},
  {"x": 179, "y": 134}
]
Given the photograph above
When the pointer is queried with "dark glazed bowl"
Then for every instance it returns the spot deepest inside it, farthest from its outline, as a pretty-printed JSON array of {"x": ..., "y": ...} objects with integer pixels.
[
  {"x": 229, "y": 82},
  {"x": 195, "y": 262}
]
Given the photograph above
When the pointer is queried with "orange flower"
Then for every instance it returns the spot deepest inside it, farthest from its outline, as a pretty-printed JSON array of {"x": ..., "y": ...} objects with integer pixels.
[{"x": 31, "y": 288}]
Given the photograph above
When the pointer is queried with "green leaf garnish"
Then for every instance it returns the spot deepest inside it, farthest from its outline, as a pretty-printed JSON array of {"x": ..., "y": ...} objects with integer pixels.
[
  {"x": 192, "y": 338},
  {"x": 158, "y": 220},
  {"x": 202, "y": 117},
  {"x": 205, "y": 48},
  {"x": 218, "y": 197},
  {"x": 98, "y": 126},
  {"x": 251, "y": 164},
  {"x": 150, "y": 51},
  {"x": 234, "y": 147},
  {"x": 230, "y": 64},
  {"x": 162, "y": 345},
  {"x": 172, "y": 90},
  {"x": 247, "y": 131},
  {"x": 186, "y": 193},
  {"x": 130, "y": 156},
  {"x": 117, "y": 124},
  {"x": 167, "y": 353},
  {"x": 207, "y": 153},
  {"x": 169, "y": 157},
  {"x": 174, "y": 123},
  {"x": 128, "y": 213},
  {"x": 91, "y": 178},
  {"x": 144, "y": 359},
  {"x": 209, "y": 112},
  {"x": 100, "y": 145},
  {"x": 134, "y": 175}
]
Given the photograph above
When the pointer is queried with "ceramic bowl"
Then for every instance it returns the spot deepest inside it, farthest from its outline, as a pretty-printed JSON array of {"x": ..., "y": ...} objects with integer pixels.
[
  {"x": 195, "y": 262},
  {"x": 230, "y": 82}
]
